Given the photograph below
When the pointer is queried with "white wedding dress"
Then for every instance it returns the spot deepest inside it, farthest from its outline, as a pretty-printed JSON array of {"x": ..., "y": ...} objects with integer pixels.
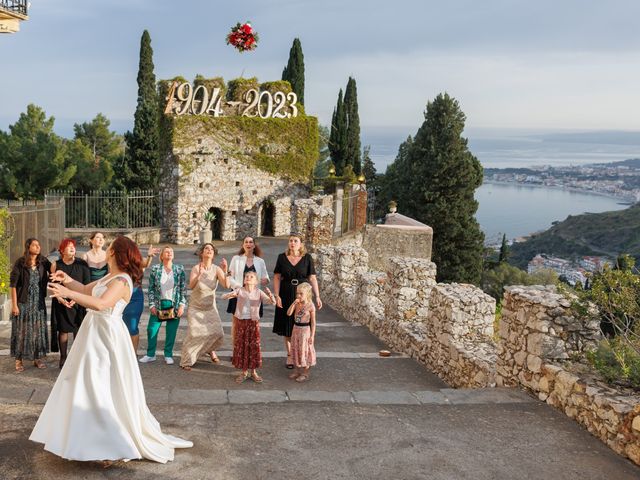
[{"x": 97, "y": 408}]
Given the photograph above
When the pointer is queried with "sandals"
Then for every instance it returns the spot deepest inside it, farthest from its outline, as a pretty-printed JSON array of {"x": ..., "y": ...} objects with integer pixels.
[
  {"x": 242, "y": 377},
  {"x": 302, "y": 378},
  {"x": 294, "y": 375},
  {"x": 186, "y": 368},
  {"x": 19, "y": 366},
  {"x": 289, "y": 364},
  {"x": 214, "y": 357},
  {"x": 256, "y": 378},
  {"x": 39, "y": 363}
]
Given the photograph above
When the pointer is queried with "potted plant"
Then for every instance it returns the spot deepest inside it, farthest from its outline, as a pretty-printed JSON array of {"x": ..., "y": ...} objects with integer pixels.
[{"x": 206, "y": 234}]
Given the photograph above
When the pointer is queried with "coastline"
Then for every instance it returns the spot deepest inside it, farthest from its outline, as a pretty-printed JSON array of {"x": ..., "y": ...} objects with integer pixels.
[{"x": 569, "y": 189}]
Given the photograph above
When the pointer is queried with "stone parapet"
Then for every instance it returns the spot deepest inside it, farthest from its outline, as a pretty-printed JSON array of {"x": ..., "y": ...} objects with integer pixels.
[
  {"x": 446, "y": 327},
  {"x": 313, "y": 221},
  {"x": 538, "y": 338}
]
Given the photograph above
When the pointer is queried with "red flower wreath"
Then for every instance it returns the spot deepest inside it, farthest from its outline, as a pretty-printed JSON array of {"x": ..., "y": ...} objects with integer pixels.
[{"x": 243, "y": 37}]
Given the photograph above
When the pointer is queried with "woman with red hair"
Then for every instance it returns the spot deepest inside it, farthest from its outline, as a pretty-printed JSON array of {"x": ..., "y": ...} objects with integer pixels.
[
  {"x": 64, "y": 319},
  {"x": 97, "y": 408}
]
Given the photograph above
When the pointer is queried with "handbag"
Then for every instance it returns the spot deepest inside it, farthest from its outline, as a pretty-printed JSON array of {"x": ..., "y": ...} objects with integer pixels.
[{"x": 166, "y": 310}]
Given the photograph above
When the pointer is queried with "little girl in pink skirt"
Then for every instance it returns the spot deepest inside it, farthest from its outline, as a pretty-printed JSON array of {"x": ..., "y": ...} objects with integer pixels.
[{"x": 304, "y": 332}]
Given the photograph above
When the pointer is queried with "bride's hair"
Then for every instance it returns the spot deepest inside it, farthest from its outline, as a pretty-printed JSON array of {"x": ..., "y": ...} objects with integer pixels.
[{"x": 128, "y": 258}]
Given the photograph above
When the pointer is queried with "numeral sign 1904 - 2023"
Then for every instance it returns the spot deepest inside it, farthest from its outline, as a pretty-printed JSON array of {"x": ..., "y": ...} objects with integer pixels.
[{"x": 184, "y": 99}]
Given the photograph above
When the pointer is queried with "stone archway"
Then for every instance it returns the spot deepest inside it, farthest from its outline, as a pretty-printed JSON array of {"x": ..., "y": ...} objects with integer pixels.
[
  {"x": 217, "y": 223},
  {"x": 267, "y": 218}
]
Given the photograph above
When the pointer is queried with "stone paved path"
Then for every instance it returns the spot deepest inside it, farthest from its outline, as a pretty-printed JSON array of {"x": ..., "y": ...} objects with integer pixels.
[{"x": 360, "y": 416}]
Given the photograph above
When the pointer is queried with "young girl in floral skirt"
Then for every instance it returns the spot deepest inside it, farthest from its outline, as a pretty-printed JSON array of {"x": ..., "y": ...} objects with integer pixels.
[
  {"x": 246, "y": 344},
  {"x": 304, "y": 332}
]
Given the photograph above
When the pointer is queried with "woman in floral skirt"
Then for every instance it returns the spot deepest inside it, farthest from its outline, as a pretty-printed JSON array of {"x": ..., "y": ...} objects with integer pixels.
[{"x": 28, "y": 282}]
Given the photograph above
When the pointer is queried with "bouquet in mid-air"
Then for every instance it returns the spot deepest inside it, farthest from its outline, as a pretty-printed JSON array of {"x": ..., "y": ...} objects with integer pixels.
[{"x": 243, "y": 37}]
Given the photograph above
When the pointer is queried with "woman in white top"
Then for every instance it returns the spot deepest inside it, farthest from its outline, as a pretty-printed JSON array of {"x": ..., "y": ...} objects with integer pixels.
[
  {"x": 97, "y": 408},
  {"x": 248, "y": 259}
]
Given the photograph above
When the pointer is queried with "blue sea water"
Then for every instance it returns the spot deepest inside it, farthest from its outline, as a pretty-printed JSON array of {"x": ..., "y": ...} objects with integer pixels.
[{"x": 521, "y": 210}]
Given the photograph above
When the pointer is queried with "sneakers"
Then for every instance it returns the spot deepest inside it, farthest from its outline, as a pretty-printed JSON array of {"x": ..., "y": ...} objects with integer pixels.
[
  {"x": 147, "y": 359},
  {"x": 168, "y": 360}
]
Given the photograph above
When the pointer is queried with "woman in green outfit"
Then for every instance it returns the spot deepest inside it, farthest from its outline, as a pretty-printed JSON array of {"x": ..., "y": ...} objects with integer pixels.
[{"x": 167, "y": 293}]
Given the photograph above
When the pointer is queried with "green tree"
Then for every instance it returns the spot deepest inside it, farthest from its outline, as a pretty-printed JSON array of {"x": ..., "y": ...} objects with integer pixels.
[
  {"x": 105, "y": 145},
  {"x": 90, "y": 174},
  {"x": 32, "y": 157},
  {"x": 368, "y": 168},
  {"x": 438, "y": 189},
  {"x": 338, "y": 137},
  {"x": 503, "y": 275},
  {"x": 352, "y": 147},
  {"x": 321, "y": 169},
  {"x": 294, "y": 71},
  {"x": 388, "y": 182},
  {"x": 504, "y": 249},
  {"x": 142, "y": 166}
]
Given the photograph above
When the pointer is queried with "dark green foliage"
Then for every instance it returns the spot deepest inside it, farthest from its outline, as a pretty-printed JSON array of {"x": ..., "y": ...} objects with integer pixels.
[
  {"x": 352, "y": 150},
  {"x": 617, "y": 362},
  {"x": 435, "y": 184},
  {"x": 106, "y": 149},
  {"x": 338, "y": 137},
  {"x": 142, "y": 166},
  {"x": 321, "y": 169},
  {"x": 90, "y": 174},
  {"x": 504, "y": 249},
  {"x": 613, "y": 299},
  {"x": 294, "y": 71},
  {"x": 239, "y": 86},
  {"x": 32, "y": 157},
  {"x": 299, "y": 134},
  {"x": 368, "y": 168},
  {"x": 502, "y": 275},
  {"x": 606, "y": 233},
  {"x": 389, "y": 187}
]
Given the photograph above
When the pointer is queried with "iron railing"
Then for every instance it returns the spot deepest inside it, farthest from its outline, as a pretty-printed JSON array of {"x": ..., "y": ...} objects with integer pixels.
[
  {"x": 41, "y": 219},
  {"x": 110, "y": 208},
  {"x": 344, "y": 209},
  {"x": 15, "y": 6}
]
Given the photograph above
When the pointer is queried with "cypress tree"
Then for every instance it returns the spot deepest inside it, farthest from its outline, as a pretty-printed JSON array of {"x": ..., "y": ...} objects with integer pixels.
[
  {"x": 294, "y": 71},
  {"x": 333, "y": 138},
  {"x": 338, "y": 137},
  {"x": 504, "y": 249},
  {"x": 442, "y": 176},
  {"x": 368, "y": 168},
  {"x": 142, "y": 162},
  {"x": 352, "y": 153}
]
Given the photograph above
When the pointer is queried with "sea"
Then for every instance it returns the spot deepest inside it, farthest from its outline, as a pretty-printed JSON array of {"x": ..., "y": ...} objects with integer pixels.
[{"x": 518, "y": 210}]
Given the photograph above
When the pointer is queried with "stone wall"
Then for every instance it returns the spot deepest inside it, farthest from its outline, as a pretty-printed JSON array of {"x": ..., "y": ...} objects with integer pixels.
[
  {"x": 450, "y": 329},
  {"x": 538, "y": 338},
  {"x": 212, "y": 164},
  {"x": 313, "y": 220},
  {"x": 446, "y": 327}
]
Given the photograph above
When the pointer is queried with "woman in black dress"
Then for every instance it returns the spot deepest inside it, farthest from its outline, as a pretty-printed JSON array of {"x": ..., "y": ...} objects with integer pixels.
[
  {"x": 28, "y": 283},
  {"x": 292, "y": 268},
  {"x": 66, "y": 320}
]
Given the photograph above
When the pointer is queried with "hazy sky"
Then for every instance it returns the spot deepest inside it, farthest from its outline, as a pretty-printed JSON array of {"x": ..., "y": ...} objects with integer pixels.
[{"x": 572, "y": 64}]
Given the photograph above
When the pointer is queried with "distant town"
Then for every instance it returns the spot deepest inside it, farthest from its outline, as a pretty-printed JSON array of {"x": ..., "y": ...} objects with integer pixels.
[
  {"x": 620, "y": 180},
  {"x": 572, "y": 272}
]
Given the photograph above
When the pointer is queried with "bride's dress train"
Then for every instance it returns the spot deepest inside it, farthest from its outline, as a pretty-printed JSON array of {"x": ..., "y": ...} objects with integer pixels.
[{"x": 97, "y": 408}]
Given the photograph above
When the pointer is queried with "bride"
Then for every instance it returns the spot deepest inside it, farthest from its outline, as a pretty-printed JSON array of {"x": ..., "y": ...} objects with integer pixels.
[{"x": 97, "y": 408}]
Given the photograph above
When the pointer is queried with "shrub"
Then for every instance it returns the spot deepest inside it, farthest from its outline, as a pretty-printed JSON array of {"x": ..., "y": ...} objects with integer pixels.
[{"x": 613, "y": 298}]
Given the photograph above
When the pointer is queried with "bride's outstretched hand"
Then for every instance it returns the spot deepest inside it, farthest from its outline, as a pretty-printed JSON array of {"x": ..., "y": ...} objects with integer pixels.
[
  {"x": 66, "y": 302},
  {"x": 59, "y": 276},
  {"x": 58, "y": 291}
]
